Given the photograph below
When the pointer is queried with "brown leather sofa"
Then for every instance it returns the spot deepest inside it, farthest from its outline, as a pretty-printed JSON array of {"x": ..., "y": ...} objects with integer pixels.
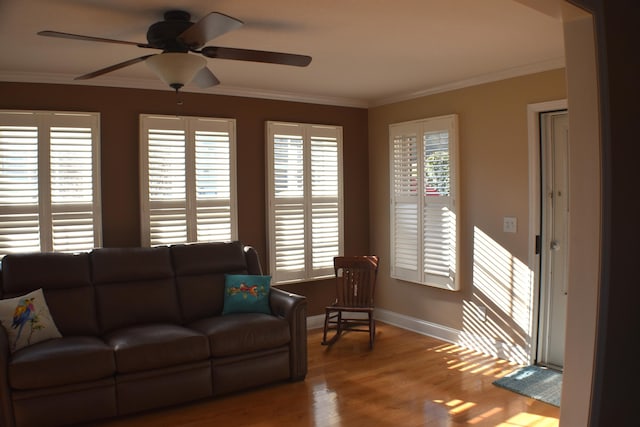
[{"x": 142, "y": 328}]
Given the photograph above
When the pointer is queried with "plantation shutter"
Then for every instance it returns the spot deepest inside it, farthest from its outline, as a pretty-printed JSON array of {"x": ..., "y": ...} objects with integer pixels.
[
  {"x": 187, "y": 179},
  {"x": 405, "y": 203},
  {"x": 439, "y": 225},
  {"x": 73, "y": 186},
  {"x": 167, "y": 189},
  {"x": 49, "y": 185},
  {"x": 305, "y": 200},
  {"x": 288, "y": 207},
  {"x": 215, "y": 212},
  {"x": 423, "y": 192},
  {"x": 19, "y": 216},
  {"x": 325, "y": 200}
]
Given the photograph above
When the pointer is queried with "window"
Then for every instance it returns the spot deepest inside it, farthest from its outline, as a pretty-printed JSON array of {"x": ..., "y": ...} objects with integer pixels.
[
  {"x": 188, "y": 179},
  {"x": 49, "y": 182},
  {"x": 305, "y": 208},
  {"x": 423, "y": 201}
]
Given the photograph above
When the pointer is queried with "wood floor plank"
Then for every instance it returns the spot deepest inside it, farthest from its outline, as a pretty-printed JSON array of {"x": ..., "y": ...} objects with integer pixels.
[{"x": 406, "y": 380}]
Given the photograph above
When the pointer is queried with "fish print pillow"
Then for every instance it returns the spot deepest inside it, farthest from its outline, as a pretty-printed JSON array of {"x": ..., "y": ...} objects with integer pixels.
[
  {"x": 27, "y": 320},
  {"x": 244, "y": 293}
]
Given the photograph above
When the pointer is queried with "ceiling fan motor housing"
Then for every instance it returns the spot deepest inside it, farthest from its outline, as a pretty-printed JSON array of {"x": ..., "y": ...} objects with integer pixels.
[{"x": 164, "y": 34}]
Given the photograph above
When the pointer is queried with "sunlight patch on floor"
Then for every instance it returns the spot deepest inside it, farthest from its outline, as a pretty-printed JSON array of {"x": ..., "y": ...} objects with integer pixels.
[{"x": 525, "y": 419}]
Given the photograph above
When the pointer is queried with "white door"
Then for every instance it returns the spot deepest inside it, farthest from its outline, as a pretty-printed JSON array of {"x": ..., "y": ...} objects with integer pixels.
[{"x": 554, "y": 254}]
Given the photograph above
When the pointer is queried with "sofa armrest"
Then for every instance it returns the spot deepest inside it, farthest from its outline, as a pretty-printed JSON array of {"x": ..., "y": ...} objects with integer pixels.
[
  {"x": 6, "y": 408},
  {"x": 293, "y": 308}
]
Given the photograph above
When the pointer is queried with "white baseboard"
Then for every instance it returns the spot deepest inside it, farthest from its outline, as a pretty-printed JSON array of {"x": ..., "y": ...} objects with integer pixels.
[
  {"x": 483, "y": 344},
  {"x": 315, "y": 322},
  {"x": 419, "y": 326},
  {"x": 400, "y": 320}
]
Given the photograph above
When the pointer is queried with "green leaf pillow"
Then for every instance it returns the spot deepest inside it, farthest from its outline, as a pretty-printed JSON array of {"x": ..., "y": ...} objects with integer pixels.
[{"x": 244, "y": 293}]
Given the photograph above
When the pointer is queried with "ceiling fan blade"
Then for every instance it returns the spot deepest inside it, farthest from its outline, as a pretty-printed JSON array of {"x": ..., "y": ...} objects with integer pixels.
[
  {"x": 112, "y": 68},
  {"x": 209, "y": 27},
  {"x": 205, "y": 78},
  {"x": 48, "y": 33},
  {"x": 256, "y": 56}
]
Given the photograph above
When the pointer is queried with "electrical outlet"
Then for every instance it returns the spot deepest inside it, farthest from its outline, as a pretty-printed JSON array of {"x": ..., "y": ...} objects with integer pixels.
[{"x": 510, "y": 224}]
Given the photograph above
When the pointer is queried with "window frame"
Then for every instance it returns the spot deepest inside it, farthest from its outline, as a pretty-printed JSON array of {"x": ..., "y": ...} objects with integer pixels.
[
  {"x": 307, "y": 132},
  {"x": 46, "y": 209},
  {"x": 190, "y": 125},
  {"x": 410, "y": 203}
]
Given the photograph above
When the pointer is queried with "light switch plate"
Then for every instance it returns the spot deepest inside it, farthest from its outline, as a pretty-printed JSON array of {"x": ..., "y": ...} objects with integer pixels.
[{"x": 510, "y": 224}]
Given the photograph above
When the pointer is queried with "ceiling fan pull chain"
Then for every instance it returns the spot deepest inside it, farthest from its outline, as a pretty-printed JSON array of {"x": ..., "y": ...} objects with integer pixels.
[{"x": 179, "y": 102}]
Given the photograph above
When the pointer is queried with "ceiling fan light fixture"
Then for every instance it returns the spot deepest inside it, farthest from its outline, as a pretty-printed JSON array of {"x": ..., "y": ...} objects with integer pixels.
[{"x": 176, "y": 68}]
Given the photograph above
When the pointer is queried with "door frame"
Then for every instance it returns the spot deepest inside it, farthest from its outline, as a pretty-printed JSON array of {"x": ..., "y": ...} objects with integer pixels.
[{"x": 535, "y": 206}]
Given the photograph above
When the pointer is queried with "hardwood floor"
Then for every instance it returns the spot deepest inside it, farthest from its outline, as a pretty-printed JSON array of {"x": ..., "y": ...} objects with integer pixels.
[{"x": 406, "y": 380}]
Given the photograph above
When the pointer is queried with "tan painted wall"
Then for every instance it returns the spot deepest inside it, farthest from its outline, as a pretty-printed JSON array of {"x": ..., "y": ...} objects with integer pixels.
[{"x": 493, "y": 184}]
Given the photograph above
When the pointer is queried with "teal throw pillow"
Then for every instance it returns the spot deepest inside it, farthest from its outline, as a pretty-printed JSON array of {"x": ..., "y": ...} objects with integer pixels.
[{"x": 245, "y": 293}]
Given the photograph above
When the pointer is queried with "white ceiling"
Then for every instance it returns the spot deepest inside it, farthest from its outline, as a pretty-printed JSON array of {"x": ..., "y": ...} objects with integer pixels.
[{"x": 365, "y": 52}]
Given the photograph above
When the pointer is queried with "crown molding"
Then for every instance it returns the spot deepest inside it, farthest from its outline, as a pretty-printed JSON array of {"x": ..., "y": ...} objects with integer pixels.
[{"x": 537, "y": 67}]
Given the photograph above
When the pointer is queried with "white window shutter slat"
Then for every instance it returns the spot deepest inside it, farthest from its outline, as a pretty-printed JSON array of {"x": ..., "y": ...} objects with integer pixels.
[
  {"x": 325, "y": 239},
  {"x": 289, "y": 225}
]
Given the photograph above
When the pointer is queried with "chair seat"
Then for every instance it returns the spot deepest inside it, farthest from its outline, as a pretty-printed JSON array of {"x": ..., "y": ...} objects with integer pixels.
[{"x": 350, "y": 309}]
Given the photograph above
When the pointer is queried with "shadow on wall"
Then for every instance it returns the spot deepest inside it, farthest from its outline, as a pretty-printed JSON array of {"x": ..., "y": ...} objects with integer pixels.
[{"x": 498, "y": 319}]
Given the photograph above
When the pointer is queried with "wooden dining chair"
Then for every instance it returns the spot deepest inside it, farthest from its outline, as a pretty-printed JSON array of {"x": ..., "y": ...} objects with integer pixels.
[{"x": 355, "y": 278}]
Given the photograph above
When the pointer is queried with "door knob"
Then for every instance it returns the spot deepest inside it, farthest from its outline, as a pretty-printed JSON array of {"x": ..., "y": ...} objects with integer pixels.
[{"x": 555, "y": 245}]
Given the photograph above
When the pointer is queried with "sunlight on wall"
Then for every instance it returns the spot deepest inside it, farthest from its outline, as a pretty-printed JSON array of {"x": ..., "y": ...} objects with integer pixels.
[{"x": 498, "y": 319}]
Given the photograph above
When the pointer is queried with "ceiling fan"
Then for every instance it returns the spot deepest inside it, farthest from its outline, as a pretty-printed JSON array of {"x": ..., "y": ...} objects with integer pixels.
[{"x": 183, "y": 49}]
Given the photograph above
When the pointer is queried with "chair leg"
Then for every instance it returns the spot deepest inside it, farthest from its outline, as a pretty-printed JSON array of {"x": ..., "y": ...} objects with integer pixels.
[
  {"x": 372, "y": 330},
  {"x": 326, "y": 327},
  {"x": 327, "y": 322}
]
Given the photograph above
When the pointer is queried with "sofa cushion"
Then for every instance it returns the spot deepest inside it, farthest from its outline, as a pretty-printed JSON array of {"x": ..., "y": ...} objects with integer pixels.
[
  {"x": 152, "y": 346},
  {"x": 244, "y": 293},
  {"x": 134, "y": 286},
  {"x": 27, "y": 320},
  {"x": 241, "y": 333},
  {"x": 61, "y": 361},
  {"x": 200, "y": 270},
  {"x": 66, "y": 282}
]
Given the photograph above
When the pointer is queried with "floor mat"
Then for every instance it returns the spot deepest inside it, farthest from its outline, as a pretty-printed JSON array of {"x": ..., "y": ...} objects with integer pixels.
[{"x": 538, "y": 382}]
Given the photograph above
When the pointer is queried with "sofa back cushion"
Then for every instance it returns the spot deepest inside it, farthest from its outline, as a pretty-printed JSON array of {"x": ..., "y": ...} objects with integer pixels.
[
  {"x": 66, "y": 282},
  {"x": 200, "y": 270},
  {"x": 134, "y": 286}
]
